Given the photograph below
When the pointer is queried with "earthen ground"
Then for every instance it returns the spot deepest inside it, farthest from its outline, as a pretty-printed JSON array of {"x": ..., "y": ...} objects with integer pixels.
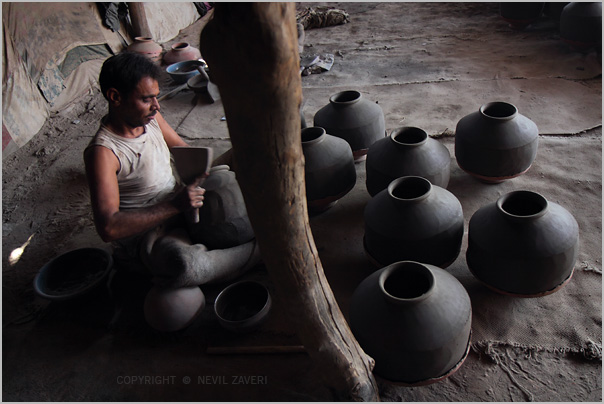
[{"x": 427, "y": 65}]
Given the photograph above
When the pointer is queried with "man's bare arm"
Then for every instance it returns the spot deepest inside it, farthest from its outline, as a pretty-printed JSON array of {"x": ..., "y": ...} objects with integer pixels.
[{"x": 110, "y": 222}]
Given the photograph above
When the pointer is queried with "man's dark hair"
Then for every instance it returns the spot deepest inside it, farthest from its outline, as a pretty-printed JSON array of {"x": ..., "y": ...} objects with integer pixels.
[{"x": 124, "y": 71}]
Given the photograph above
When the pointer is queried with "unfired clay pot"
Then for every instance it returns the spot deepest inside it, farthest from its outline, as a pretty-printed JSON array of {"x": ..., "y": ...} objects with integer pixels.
[
  {"x": 581, "y": 25},
  {"x": 145, "y": 46},
  {"x": 173, "y": 309},
  {"x": 223, "y": 219},
  {"x": 353, "y": 118},
  {"x": 523, "y": 245},
  {"x": 413, "y": 220},
  {"x": 407, "y": 151},
  {"x": 496, "y": 143},
  {"x": 519, "y": 15},
  {"x": 414, "y": 320},
  {"x": 180, "y": 52},
  {"x": 243, "y": 306},
  {"x": 328, "y": 169}
]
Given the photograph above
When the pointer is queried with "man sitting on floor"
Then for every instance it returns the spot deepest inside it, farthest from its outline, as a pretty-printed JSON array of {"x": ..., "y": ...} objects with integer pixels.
[{"x": 136, "y": 200}]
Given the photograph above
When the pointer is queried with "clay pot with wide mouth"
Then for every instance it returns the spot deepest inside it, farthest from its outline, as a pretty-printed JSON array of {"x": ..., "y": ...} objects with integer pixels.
[
  {"x": 223, "y": 219},
  {"x": 520, "y": 15},
  {"x": 243, "y": 306},
  {"x": 329, "y": 169},
  {"x": 496, "y": 143},
  {"x": 413, "y": 220},
  {"x": 407, "y": 151},
  {"x": 581, "y": 25},
  {"x": 523, "y": 245},
  {"x": 353, "y": 118},
  {"x": 414, "y": 320}
]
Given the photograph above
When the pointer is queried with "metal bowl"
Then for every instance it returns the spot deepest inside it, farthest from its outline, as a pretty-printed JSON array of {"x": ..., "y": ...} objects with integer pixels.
[
  {"x": 73, "y": 274},
  {"x": 182, "y": 71},
  {"x": 243, "y": 306}
]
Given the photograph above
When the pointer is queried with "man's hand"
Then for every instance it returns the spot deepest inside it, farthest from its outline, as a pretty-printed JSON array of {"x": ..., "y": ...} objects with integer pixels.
[{"x": 190, "y": 197}]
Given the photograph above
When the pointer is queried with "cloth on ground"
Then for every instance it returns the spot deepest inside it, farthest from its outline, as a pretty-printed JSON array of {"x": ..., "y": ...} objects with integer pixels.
[{"x": 322, "y": 17}]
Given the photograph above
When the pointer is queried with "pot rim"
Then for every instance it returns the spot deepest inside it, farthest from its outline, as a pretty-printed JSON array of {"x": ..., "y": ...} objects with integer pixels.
[
  {"x": 248, "y": 320},
  {"x": 180, "y": 46},
  {"x": 499, "y": 111},
  {"x": 344, "y": 98},
  {"x": 506, "y": 204},
  {"x": 409, "y": 131},
  {"x": 316, "y": 134},
  {"x": 143, "y": 39},
  {"x": 410, "y": 267},
  {"x": 419, "y": 182}
]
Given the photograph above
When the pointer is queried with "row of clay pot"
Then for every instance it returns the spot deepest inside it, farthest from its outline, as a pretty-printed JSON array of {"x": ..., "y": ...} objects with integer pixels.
[
  {"x": 412, "y": 316},
  {"x": 179, "y": 52},
  {"x": 580, "y": 22},
  {"x": 522, "y": 244},
  {"x": 493, "y": 144}
]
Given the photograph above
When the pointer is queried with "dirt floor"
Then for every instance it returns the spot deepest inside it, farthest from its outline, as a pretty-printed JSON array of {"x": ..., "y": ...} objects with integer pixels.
[{"x": 427, "y": 65}]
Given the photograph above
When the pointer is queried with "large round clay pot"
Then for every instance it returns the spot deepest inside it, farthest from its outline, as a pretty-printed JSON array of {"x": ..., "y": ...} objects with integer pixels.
[
  {"x": 414, "y": 320},
  {"x": 407, "y": 151},
  {"x": 173, "y": 309},
  {"x": 353, "y": 118},
  {"x": 520, "y": 15},
  {"x": 223, "y": 219},
  {"x": 329, "y": 168},
  {"x": 180, "y": 52},
  {"x": 554, "y": 10},
  {"x": 523, "y": 245},
  {"x": 496, "y": 143},
  {"x": 581, "y": 25},
  {"x": 146, "y": 47},
  {"x": 413, "y": 220}
]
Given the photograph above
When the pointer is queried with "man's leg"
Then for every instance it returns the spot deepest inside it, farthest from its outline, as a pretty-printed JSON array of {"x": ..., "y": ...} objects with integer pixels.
[{"x": 176, "y": 262}]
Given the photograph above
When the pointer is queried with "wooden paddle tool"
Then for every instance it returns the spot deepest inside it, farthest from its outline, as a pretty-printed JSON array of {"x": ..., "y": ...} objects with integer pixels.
[{"x": 191, "y": 163}]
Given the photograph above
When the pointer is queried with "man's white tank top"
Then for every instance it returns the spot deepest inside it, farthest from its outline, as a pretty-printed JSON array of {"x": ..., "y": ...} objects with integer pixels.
[{"x": 145, "y": 175}]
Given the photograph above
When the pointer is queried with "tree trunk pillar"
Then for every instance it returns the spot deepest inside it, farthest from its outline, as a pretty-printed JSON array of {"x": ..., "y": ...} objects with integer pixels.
[{"x": 252, "y": 53}]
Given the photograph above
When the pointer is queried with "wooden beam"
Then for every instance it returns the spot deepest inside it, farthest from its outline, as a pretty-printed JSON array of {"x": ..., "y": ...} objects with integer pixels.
[
  {"x": 138, "y": 18},
  {"x": 252, "y": 53}
]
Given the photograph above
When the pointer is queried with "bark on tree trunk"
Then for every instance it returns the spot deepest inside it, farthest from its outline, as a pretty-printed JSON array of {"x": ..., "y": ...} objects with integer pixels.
[{"x": 252, "y": 53}]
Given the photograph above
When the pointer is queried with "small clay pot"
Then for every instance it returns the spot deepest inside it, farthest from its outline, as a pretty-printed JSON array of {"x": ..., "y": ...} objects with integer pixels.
[
  {"x": 243, "y": 306},
  {"x": 413, "y": 220},
  {"x": 329, "y": 169},
  {"x": 414, "y": 320},
  {"x": 353, "y": 118},
  {"x": 496, "y": 143},
  {"x": 146, "y": 47},
  {"x": 520, "y": 15},
  {"x": 171, "y": 310},
  {"x": 581, "y": 25},
  {"x": 180, "y": 52},
  {"x": 553, "y": 10},
  {"x": 223, "y": 219},
  {"x": 407, "y": 151},
  {"x": 523, "y": 245}
]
